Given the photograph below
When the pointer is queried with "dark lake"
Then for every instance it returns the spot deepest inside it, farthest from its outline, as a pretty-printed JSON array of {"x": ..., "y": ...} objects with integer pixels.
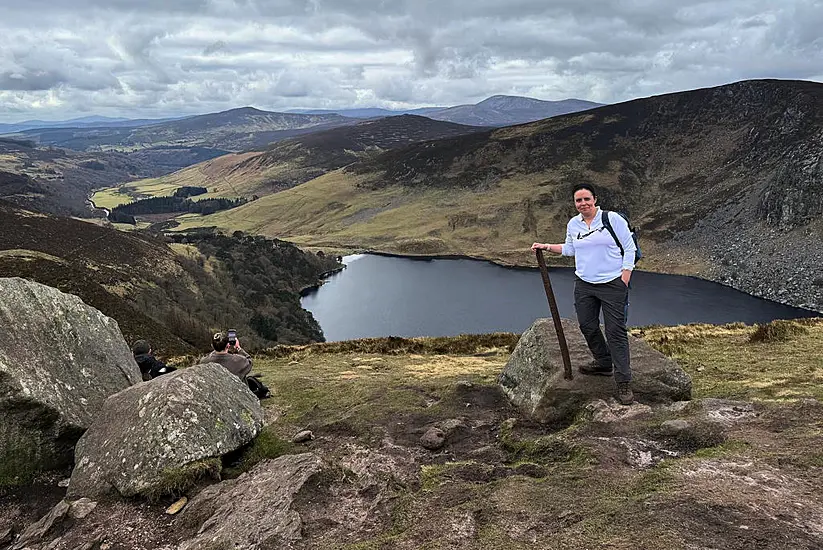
[{"x": 390, "y": 296}]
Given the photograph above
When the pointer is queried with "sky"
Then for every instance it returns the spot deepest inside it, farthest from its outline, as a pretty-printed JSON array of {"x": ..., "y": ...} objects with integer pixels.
[{"x": 154, "y": 58}]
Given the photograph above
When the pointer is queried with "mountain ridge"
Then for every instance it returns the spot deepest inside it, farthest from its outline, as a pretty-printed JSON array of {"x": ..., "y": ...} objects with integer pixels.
[
  {"x": 288, "y": 163},
  {"x": 682, "y": 165}
]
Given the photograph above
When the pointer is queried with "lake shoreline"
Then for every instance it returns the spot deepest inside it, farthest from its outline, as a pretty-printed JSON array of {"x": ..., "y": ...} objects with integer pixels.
[{"x": 520, "y": 267}]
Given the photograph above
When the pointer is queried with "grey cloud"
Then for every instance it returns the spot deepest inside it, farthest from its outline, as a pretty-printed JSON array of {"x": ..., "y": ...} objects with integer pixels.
[
  {"x": 214, "y": 47},
  {"x": 30, "y": 80},
  {"x": 164, "y": 57}
]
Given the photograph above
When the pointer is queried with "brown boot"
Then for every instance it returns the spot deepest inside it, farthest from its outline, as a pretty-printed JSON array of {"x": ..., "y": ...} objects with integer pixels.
[{"x": 624, "y": 393}]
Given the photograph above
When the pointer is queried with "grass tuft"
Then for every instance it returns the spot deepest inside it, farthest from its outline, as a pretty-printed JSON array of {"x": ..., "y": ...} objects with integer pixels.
[
  {"x": 267, "y": 445},
  {"x": 464, "y": 344},
  {"x": 777, "y": 331},
  {"x": 176, "y": 482}
]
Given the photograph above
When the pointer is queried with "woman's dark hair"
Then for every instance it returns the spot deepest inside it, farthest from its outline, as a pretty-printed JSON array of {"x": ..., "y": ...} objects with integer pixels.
[{"x": 587, "y": 186}]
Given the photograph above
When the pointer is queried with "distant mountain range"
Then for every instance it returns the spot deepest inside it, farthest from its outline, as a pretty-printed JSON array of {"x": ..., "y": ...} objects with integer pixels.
[
  {"x": 178, "y": 142},
  {"x": 505, "y": 110},
  {"x": 233, "y": 130},
  {"x": 83, "y": 122},
  {"x": 499, "y": 110},
  {"x": 368, "y": 112}
]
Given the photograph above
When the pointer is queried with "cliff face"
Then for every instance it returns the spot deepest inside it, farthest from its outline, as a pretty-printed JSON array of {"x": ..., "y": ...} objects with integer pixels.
[{"x": 794, "y": 196}]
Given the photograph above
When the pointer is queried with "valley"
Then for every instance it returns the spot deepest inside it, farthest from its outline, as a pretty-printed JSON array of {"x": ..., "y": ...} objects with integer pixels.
[{"x": 723, "y": 183}]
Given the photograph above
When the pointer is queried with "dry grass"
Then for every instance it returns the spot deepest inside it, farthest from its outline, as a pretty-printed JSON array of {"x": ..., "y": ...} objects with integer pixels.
[{"x": 723, "y": 361}]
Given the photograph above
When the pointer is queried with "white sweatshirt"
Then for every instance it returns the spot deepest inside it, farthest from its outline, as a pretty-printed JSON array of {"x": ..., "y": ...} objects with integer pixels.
[{"x": 597, "y": 257}]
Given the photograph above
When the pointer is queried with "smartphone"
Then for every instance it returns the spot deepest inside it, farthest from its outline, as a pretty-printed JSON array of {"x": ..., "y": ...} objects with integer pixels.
[{"x": 232, "y": 336}]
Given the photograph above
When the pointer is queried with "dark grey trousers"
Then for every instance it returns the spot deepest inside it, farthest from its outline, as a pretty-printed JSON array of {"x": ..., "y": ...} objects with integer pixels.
[{"x": 613, "y": 299}]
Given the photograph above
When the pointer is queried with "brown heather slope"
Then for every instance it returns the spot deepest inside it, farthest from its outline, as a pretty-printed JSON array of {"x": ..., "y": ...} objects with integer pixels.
[
  {"x": 722, "y": 182},
  {"x": 175, "y": 295},
  {"x": 288, "y": 163},
  {"x": 59, "y": 181}
]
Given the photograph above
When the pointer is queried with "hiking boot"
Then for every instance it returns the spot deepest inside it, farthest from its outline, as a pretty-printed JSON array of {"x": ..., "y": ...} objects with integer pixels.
[
  {"x": 624, "y": 393},
  {"x": 595, "y": 369}
]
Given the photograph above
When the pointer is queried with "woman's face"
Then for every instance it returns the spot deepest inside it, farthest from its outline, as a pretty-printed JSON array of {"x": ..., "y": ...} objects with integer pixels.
[{"x": 585, "y": 202}]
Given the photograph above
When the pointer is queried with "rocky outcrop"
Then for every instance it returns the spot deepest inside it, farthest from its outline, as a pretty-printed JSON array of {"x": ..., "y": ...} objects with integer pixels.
[
  {"x": 794, "y": 196},
  {"x": 253, "y": 511},
  {"x": 155, "y": 434},
  {"x": 533, "y": 376},
  {"x": 59, "y": 361},
  {"x": 42, "y": 533}
]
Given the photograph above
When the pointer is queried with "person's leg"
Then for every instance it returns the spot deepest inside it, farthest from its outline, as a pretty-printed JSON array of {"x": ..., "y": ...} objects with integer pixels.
[
  {"x": 587, "y": 306},
  {"x": 613, "y": 297}
]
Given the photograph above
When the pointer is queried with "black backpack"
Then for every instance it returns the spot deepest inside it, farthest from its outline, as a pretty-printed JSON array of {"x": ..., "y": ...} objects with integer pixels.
[{"x": 608, "y": 225}]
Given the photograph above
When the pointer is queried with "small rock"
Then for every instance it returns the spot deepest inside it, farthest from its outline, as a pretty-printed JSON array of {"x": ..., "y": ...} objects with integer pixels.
[
  {"x": 92, "y": 545},
  {"x": 81, "y": 508},
  {"x": 64, "y": 482},
  {"x": 38, "y": 531},
  {"x": 302, "y": 437},
  {"x": 611, "y": 411},
  {"x": 672, "y": 427},
  {"x": 677, "y": 406},
  {"x": 726, "y": 411},
  {"x": 177, "y": 506},
  {"x": 454, "y": 428},
  {"x": 433, "y": 439}
]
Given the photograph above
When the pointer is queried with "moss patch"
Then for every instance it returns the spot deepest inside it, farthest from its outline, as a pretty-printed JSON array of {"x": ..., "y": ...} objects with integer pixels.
[
  {"x": 267, "y": 445},
  {"x": 176, "y": 482}
]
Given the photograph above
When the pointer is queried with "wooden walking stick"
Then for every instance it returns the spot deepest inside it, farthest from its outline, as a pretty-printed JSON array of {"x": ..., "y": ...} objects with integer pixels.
[{"x": 558, "y": 326}]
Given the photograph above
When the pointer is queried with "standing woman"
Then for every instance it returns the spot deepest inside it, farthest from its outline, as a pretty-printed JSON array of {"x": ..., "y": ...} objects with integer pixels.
[{"x": 602, "y": 282}]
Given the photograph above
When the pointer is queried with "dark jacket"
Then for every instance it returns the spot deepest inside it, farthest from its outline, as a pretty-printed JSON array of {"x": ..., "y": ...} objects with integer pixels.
[{"x": 150, "y": 367}]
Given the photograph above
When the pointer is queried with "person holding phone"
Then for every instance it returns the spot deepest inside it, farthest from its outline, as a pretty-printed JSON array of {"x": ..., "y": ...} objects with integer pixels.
[{"x": 228, "y": 353}]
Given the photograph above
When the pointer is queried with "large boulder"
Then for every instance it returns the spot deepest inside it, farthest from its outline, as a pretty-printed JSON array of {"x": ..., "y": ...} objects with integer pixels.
[
  {"x": 59, "y": 361},
  {"x": 533, "y": 377},
  {"x": 253, "y": 511},
  {"x": 155, "y": 434}
]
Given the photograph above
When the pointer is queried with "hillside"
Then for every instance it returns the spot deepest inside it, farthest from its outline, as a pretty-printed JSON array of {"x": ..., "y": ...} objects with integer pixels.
[
  {"x": 504, "y": 110},
  {"x": 59, "y": 181},
  {"x": 291, "y": 162},
  {"x": 174, "y": 294},
  {"x": 722, "y": 182},
  {"x": 233, "y": 130}
]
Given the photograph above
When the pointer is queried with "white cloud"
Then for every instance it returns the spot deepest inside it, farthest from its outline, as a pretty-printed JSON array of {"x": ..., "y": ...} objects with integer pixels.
[{"x": 60, "y": 58}]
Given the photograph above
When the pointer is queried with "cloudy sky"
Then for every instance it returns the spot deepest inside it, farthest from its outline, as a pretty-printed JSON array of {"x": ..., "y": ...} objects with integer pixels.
[{"x": 153, "y": 58}]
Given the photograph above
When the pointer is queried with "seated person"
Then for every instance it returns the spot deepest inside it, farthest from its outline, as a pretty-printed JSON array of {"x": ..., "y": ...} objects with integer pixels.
[
  {"x": 232, "y": 357},
  {"x": 150, "y": 367}
]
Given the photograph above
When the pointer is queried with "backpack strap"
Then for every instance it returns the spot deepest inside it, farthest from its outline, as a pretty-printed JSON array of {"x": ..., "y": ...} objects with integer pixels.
[{"x": 604, "y": 214}]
